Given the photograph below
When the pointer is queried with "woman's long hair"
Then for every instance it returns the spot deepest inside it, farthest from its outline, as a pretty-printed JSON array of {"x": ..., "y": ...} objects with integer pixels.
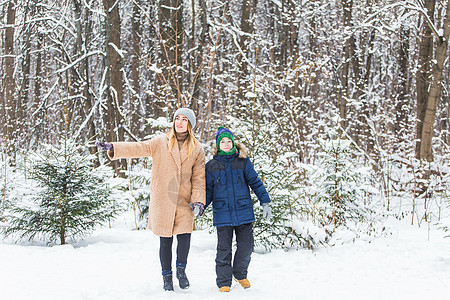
[{"x": 190, "y": 139}]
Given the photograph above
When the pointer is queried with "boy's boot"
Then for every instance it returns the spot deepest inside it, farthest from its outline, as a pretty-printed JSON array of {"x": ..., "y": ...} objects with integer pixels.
[
  {"x": 224, "y": 289},
  {"x": 182, "y": 279},
  {"x": 167, "y": 281},
  {"x": 244, "y": 282}
]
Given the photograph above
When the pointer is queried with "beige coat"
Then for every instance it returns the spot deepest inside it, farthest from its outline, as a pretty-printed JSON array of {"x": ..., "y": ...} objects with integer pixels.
[{"x": 176, "y": 181}]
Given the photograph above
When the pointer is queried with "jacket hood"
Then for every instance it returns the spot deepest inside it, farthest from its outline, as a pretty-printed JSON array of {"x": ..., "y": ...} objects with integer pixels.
[{"x": 240, "y": 147}]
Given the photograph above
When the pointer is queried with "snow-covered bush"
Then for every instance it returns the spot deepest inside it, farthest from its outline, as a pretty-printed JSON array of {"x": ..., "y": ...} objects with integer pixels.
[
  {"x": 66, "y": 200},
  {"x": 418, "y": 189},
  {"x": 138, "y": 191},
  {"x": 340, "y": 190},
  {"x": 440, "y": 194},
  {"x": 8, "y": 182},
  {"x": 340, "y": 185},
  {"x": 283, "y": 179}
]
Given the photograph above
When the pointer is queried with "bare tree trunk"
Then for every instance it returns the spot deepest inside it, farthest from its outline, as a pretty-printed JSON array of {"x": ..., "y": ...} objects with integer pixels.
[
  {"x": 347, "y": 6},
  {"x": 290, "y": 29},
  {"x": 24, "y": 90},
  {"x": 434, "y": 92},
  {"x": 87, "y": 86},
  {"x": 114, "y": 118},
  {"x": 283, "y": 36},
  {"x": 75, "y": 76},
  {"x": 9, "y": 62},
  {"x": 38, "y": 119},
  {"x": 423, "y": 74},
  {"x": 200, "y": 55},
  {"x": 179, "y": 28},
  {"x": 136, "y": 34},
  {"x": 402, "y": 103},
  {"x": 243, "y": 80},
  {"x": 171, "y": 42},
  {"x": 81, "y": 48},
  {"x": 366, "y": 137},
  {"x": 292, "y": 42}
]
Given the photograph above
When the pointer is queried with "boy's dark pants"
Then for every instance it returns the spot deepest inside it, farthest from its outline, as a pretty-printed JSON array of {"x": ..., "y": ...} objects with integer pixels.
[{"x": 244, "y": 239}]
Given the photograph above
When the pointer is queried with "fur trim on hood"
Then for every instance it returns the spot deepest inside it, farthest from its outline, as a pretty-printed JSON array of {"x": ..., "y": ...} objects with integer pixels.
[{"x": 240, "y": 147}]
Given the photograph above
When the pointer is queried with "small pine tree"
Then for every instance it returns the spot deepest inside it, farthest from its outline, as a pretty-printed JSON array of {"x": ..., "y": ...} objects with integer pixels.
[
  {"x": 72, "y": 198},
  {"x": 338, "y": 187},
  {"x": 140, "y": 193},
  {"x": 282, "y": 179}
]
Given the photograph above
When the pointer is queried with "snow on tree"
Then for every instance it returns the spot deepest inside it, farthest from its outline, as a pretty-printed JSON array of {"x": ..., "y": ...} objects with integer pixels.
[
  {"x": 340, "y": 187},
  {"x": 68, "y": 198}
]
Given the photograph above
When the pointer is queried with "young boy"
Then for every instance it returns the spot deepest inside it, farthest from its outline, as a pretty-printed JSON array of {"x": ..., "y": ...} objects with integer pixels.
[{"x": 228, "y": 177}]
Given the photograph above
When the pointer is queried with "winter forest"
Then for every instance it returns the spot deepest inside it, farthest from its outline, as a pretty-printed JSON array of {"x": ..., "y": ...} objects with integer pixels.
[{"x": 343, "y": 105}]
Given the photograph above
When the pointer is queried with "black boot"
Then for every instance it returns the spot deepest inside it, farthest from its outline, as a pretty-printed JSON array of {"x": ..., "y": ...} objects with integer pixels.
[
  {"x": 168, "y": 283},
  {"x": 182, "y": 279}
]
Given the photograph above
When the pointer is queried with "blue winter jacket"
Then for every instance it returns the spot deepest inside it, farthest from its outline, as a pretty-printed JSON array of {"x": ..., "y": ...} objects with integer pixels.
[{"x": 227, "y": 186}]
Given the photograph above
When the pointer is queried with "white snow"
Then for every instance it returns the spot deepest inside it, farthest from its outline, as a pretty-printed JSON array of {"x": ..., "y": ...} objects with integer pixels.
[{"x": 119, "y": 263}]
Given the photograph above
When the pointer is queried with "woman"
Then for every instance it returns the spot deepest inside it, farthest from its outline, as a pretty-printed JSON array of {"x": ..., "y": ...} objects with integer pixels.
[{"x": 177, "y": 188}]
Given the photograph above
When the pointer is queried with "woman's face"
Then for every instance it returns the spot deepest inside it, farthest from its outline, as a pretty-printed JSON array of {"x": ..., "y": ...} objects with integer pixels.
[
  {"x": 225, "y": 144},
  {"x": 181, "y": 123}
]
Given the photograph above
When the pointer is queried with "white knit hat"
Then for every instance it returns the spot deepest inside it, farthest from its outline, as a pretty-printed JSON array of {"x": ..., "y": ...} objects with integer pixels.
[{"x": 189, "y": 113}]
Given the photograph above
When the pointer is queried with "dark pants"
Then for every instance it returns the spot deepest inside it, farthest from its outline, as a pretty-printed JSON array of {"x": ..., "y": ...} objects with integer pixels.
[
  {"x": 244, "y": 239},
  {"x": 165, "y": 251}
]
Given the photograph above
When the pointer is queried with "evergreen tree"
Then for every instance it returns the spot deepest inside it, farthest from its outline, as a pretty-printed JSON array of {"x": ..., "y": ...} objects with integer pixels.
[
  {"x": 339, "y": 186},
  {"x": 283, "y": 178},
  {"x": 139, "y": 182},
  {"x": 71, "y": 199}
]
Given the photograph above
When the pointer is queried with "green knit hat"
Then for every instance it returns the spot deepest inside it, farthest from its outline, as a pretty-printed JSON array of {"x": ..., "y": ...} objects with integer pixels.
[{"x": 221, "y": 133}]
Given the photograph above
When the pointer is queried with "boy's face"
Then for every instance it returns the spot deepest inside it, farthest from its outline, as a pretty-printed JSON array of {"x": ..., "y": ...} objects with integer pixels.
[
  {"x": 181, "y": 123},
  {"x": 225, "y": 144}
]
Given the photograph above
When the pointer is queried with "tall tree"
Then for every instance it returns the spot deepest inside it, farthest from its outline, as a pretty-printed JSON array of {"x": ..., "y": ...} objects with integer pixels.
[
  {"x": 24, "y": 90},
  {"x": 9, "y": 63},
  {"x": 349, "y": 50},
  {"x": 114, "y": 77},
  {"x": 170, "y": 56},
  {"x": 243, "y": 76},
  {"x": 362, "y": 74},
  {"x": 429, "y": 77},
  {"x": 83, "y": 25},
  {"x": 402, "y": 90},
  {"x": 136, "y": 34},
  {"x": 200, "y": 55}
]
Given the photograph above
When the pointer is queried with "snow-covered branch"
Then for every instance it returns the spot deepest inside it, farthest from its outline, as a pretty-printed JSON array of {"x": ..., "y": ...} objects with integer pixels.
[{"x": 75, "y": 62}]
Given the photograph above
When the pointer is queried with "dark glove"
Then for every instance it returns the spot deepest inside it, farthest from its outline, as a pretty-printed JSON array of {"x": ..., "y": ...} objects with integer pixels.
[
  {"x": 105, "y": 146},
  {"x": 267, "y": 211},
  {"x": 198, "y": 208}
]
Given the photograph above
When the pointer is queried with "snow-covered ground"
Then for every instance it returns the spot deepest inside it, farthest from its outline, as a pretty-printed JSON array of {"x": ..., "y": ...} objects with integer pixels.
[{"x": 118, "y": 263}]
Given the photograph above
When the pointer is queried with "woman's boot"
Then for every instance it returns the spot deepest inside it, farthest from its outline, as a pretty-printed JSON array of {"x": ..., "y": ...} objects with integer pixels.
[
  {"x": 168, "y": 282},
  {"x": 182, "y": 279}
]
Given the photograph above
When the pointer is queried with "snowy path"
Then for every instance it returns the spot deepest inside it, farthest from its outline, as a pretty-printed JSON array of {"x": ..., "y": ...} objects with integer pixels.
[{"x": 123, "y": 264}]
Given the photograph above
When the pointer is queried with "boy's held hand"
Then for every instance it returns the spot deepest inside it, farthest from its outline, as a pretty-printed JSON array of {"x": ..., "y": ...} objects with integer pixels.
[{"x": 198, "y": 208}]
